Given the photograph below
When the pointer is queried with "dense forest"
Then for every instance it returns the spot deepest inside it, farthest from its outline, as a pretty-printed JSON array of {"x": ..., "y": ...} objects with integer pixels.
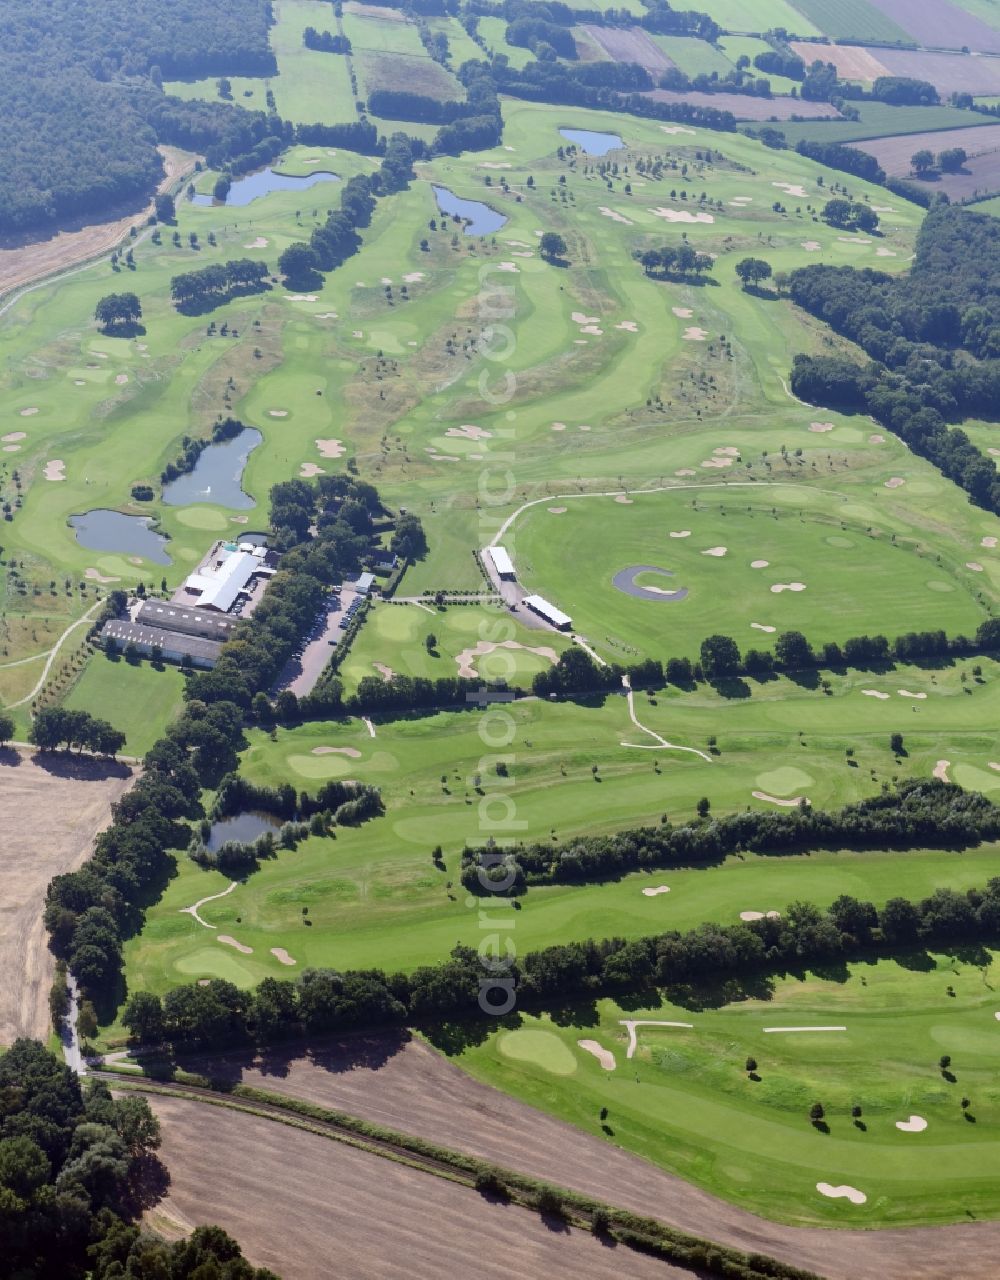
[
  {"x": 74, "y": 1164},
  {"x": 933, "y": 336},
  {"x": 73, "y": 138}
]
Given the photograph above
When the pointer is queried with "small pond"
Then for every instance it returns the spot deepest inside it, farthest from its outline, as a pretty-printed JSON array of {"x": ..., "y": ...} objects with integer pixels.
[
  {"x": 263, "y": 182},
  {"x": 217, "y": 474},
  {"x": 593, "y": 144},
  {"x": 244, "y": 827},
  {"x": 480, "y": 219},
  {"x": 103, "y": 530}
]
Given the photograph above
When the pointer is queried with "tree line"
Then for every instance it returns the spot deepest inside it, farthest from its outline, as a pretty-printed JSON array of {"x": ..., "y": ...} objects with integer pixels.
[
  {"x": 916, "y": 813},
  {"x": 325, "y": 41},
  {"x": 72, "y": 1160},
  {"x": 55, "y": 727},
  {"x": 197, "y": 291},
  {"x": 324, "y": 1001}
]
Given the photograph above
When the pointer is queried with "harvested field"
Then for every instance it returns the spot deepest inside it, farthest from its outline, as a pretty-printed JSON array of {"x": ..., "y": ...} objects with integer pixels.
[
  {"x": 941, "y": 25},
  {"x": 55, "y": 806},
  {"x": 303, "y": 1199},
  {"x": 629, "y": 44},
  {"x": 852, "y": 62},
  {"x": 23, "y": 263},
  {"x": 405, "y": 1084},
  {"x": 746, "y": 108},
  {"x": 980, "y": 175},
  {"x": 420, "y": 75},
  {"x": 948, "y": 72}
]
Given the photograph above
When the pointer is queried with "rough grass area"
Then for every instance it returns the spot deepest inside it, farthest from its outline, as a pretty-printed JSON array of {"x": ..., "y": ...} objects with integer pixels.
[{"x": 137, "y": 698}]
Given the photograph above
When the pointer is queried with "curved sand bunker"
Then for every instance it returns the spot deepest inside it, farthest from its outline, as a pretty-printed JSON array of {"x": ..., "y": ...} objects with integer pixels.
[
  {"x": 875, "y": 438},
  {"x": 941, "y": 770},
  {"x": 905, "y": 693},
  {"x": 604, "y": 1056},
  {"x": 29, "y": 413},
  {"x": 759, "y": 564},
  {"x": 655, "y": 892},
  {"x": 277, "y": 413},
  {"x": 760, "y": 915},
  {"x": 121, "y": 379},
  {"x": 875, "y": 693},
  {"x": 974, "y": 565},
  {"x": 11, "y": 436},
  {"x": 681, "y": 215},
  {"x": 821, "y": 426},
  {"x": 557, "y": 511},
  {"x": 682, "y": 313},
  {"x": 469, "y": 432},
  {"x": 986, "y": 542},
  {"x": 915, "y": 1124},
  {"x": 259, "y": 243},
  {"x": 231, "y": 942},
  {"x": 788, "y": 586},
  {"x": 309, "y": 469},
  {"x": 694, "y": 334},
  {"x": 467, "y": 657},
  {"x": 718, "y": 552},
  {"x": 95, "y": 575},
  {"x": 614, "y": 215},
  {"x": 791, "y": 189},
  {"x": 680, "y": 533},
  {"x": 841, "y": 1192},
  {"x": 685, "y": 471},
  {"x": 792, "y": 803},
  {"x": 55, "y": 470},
  {"x": 770, "y": 1031},
  {"x": 811, "y": 246},
  {"x": 331, "y": 448},
  {"x": 282, "y": 956},
  {"x": 763, "y": 626},
  {"x": 894, "y": 482},
  {"x": 351, "y": 752}
]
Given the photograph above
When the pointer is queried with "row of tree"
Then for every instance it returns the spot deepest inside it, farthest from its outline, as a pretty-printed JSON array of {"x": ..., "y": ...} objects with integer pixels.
[
  {"x": 324, "y": 1001},
  {"x": 196, "y": 291},
  {"x": 325, "y": 41},
  {"x": 916, "y": 814},
  {"x": 55, "y": 727},
  {"x": 678, "y": 261}
]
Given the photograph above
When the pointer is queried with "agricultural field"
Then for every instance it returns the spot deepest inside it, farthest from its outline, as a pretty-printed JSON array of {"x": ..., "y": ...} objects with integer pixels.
[
  {"x": 853, "y": 62},
  {"x": 861, "y": 20},
  {"x": 694, "y": 57},
  {"x": 881, "y": 121},
  {"x": 493, "y": 32},
  {"x": 632, "y": 44},
  {"x": 676, "y": 1090},
  {"x": 980, "y": 175},
  {"x": 746, "y": 107},
  {"x": 943, "y": 25},
  {"x": 754, "y": 17},
  {"x": 736, "y": 47},
  {"x": 948, "y": 72}
]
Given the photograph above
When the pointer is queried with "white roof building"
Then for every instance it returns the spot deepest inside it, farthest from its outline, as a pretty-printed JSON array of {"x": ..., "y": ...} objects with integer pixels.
[
  {"x": 219, "y": 589},
  {"x": 501, "y": 561},
  {"x": 541, "y": 606}
]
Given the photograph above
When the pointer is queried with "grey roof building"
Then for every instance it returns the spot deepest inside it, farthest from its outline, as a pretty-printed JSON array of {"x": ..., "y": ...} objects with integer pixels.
[
  {"x": 186, "y": 619},
  {"x": 173, "y": 647}
]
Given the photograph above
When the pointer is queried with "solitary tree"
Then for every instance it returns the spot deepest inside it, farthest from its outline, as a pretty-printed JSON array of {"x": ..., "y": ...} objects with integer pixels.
[
  {"x": 922, "y": 162},
  {"x": 816, "y": 1112},
  {"x": 951, "y": 161},
  {"x": 552, "y": 246},
  {"x": 86, "y": 1021},
  {"x": 431, "y": 642},
  {"x": 6, "y": 729},
  {"x": 165, "y": 208},
  {"x": 896, "y": 744},
  {"x": 118, "y": 311},
  {"x": 751, "y": 1065},
  {"x": 753, "y": 271}
]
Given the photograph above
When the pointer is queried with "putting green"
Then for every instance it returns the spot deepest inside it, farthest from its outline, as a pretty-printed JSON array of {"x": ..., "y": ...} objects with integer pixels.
[
  {"x": 785, "y": 781},
  {"x": 215, "y": 962},
  {"x": 202, "y": 518},
  {"x": 540, "y": 1048}
]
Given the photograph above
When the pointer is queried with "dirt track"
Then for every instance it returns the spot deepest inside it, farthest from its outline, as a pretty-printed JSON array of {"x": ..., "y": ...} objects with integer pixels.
[
  {"x": 406, "y": 1085},
  {"x": 24, "y": 264},
  {"x": 50, "y": 814},
  {"x": 309, "y": 1207}
]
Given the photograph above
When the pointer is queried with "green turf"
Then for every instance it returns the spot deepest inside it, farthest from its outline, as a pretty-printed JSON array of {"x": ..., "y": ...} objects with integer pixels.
[
  {"x": 694, "y": 57},
  {"x": 685, "y": 1101},
  {"x": 758, "y": 16},
  {"x": 881, "y": 121},
  {"x": 136, "y": 698},
  {"x": 853, "y": 20}
]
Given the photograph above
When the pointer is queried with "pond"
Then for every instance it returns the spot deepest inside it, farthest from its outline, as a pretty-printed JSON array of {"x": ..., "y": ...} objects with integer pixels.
[
  {"x": 480, "y": 219},
  {"x": 244, "y": 827},
  {"x": 103, "y": 530},
  {"x": 594, "y": 144},
  {"x": 263, "y": 182},
  {"x": 217, "y": 474}
]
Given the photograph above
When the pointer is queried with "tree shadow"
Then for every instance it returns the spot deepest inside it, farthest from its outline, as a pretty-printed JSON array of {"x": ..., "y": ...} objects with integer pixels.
[
  {"x": 124, "y": 330},
  {"x": 454, "y": 1037},
  {"x": 582, "y": 1014},
  {"x": 148, "y": 1183},
  {"x": 731, "y": 687},
  {"x": 10, "y": 757},
  {"x": 65, "y": 764},
  {"x": 917, "y": 961},
  {"x": 700, "y": 997}
]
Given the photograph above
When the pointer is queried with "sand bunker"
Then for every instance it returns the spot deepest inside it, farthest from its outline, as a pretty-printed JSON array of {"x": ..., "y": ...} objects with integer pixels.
[
  {"x": 79, "y": 382},
  {"x": 629, "y": 326},
  {"x": 876, "y": 439},
  {"x": 494, "y": 164},
  {"x": 875, "y": 693},
  {"x": 260, "y": 243},
  {"x": 941, "y": 770},
  {"x": 231, "y": 942},
  {"x": 387, "y": 279},
  {"x": 680, "y": 533},
  {"x": 95, "y": 575},
  {"x": 277, "y": 413},
  {"x": 309, "y": 469},
  {"x": 760, "y": 915},
  {"x": 792, "y": 803},
  {"x": 685, "y": 471},
  {"x": 614, "y": 215},
  {"x": 718, "y": 552},
  {"x": 883, "y": 208},
  {"x": 882, "y": 252},
  {"x": 986, "y": 542},
  {"x": 121, "y": 379},
  {"x": 631, "y": 1023},
  {"x": 620, "y": 497},
  {"x": 915, "y": 1124},
  {"x": 28, "y": 413},
  {"x": 385, "y": 672},
  {"x": 717, "y": 463},
  {"x": 282, "y": 956},
  {"x": 682, "y": 313},
  {"x": 469, "y": 432},
  {"x": 653, "y": 893},
  {"x": 894, "y": 482},
  {"x": 843, "y": 1191},
  {"x": 677, "y": 128},
  {"x": 604, "y": 1056},
  {"x": 905, "y": 693},
  {"x": 11, "y": 436},
  {"x": 682, "y": 215},
  {"x": 583, "y": 427},
  {"x": 742, "y": 200},
  {"x": 727, "y": 451},
  {"x": 974, "y": 565},
  {"x": 523, "y": 254},
  {"x": 331, "y": 448},
  {"x": 508, "y": 266},
  {"x": 352, "y": 752},
  {"x": 763, "y": 626},
  {"x": 811, "y": 245},
  {"x": 759, "y": 564},
  {"x": 694, "y": 334},
  {"x": 559, "y": 426},
  {"x": 821, "y": 426},
  {"x": 413, "y": 276},
  {"x": 579, "y": 318},
  {"x": 327, "y": 315},
  {"x": 557, "y": 511},
  {"x": 592, "y": 328},
  {"x": 301, "y": 297},
  {"x": 791, "y": 189},
  {"x": 466, "y": 659},
  {"x": 788, "y": 586},
  {"x": 55, "y": 470}
]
